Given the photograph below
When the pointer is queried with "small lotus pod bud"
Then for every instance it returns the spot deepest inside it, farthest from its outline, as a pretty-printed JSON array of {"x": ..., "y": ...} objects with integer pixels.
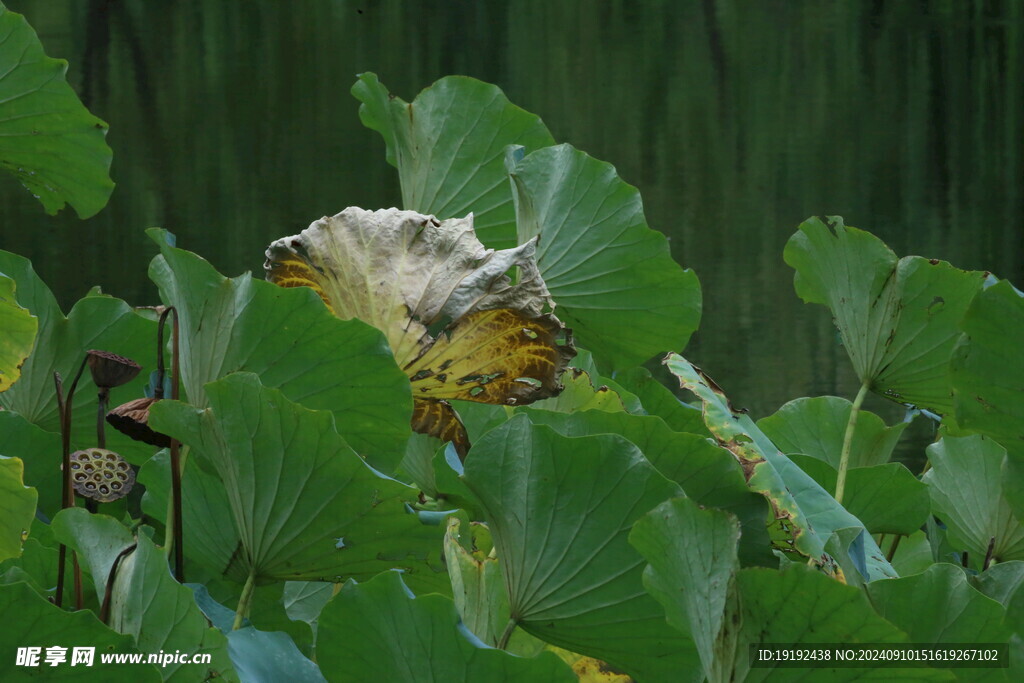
[
  {"x": 110, "y": 370},
  {"x": 101, "y": 474},
  {"x": 132, "y": 419}
]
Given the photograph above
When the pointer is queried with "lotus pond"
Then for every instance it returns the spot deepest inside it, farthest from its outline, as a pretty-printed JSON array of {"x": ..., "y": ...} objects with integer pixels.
[{"x": 427, "y": 443}]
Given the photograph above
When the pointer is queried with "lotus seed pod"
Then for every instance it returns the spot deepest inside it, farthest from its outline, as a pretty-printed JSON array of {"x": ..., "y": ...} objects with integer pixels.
[
  {"x": 101, "y": 474},
  {"x": 132, "y": 419},
  {"x": 110, "y": 370}
]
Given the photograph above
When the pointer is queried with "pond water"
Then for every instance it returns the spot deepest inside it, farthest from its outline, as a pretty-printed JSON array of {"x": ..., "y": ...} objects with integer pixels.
[{"x": 232, "y": 125}]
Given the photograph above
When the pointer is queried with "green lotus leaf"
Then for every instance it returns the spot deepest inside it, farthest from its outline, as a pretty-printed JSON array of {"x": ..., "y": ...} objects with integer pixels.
[
  {"x": 897, "y": 317},
  {"x": 202, "y": 499},
  {"x": 449, "y": 148},
  {"x": 417, "y": 464},
  {"x": 42, "y": 624},
  {"x": 303, "y": 505},
  {"x": 1000, "y": 581},
  {"x": 694, "y": 574},
  {"x": 304, "y": 600},
  {"x": 17, "y": 507},
  {"x": 380, "y": 631},
  {"x": 613, "y": 277},
  {"x": 806, "y": 515},
  {"x": 581, "y": 393},
  {"x": 939, "y": 606},
  {"x": 559, "y": 510},
  {"x": 584, "y": 360},
  {"x": 799, "y": 605},
  {"x": 95, "y": 322},
  {"x": 887, "y": 498},
  {"x": 478, "y": 586},
  {"x": 816, "y": 427},
  {"x": 146, "y": 602},
  {"x": 657, "y": 399},
  {"x": 48, "y": 140},
  {"x": 258, "y": 655},
  {"x": 986, "y": 372},
  {"x": 708, "y": 474},
  {"x": 98, "y": 538},
  {"x": 913, "y": 554},
  {"x": 39, "y": 450},
  {"x": 693, "y": 563},
  {"x": 965, "y": 482},
  {"x": 407, "y": 273},
  {"x": 19, "y": 333},
  {"x": 37, "y": 567},
  {"x": 285, "y": 336}
]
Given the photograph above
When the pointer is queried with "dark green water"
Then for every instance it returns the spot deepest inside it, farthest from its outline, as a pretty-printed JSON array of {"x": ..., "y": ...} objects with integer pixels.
[{"x": 232, "y": 125}]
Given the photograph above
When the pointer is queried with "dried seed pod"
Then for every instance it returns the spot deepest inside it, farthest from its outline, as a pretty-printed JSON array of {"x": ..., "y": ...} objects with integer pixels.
[
  {"x": 110, "y": 370},
  {"x": 132, "y": 419},
  {"x": 101, "y": 474}
]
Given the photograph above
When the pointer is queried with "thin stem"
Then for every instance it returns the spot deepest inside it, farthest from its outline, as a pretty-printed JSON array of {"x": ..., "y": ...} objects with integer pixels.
[
  {"x": 177, "y": 465},
  {"x": 176, "y": 517},
  {"x": 892, "y": 548},
  {"x": 111, "y": 575},
  {"x": 243, "y": 601},
  {"x": 844, "y": 456},
  {"x": 69, "y": 493},
  {"x": 91, "y": 505},
  {"x": 58, "y": 384},
  {"x": 101, "y": 414},
  {"x": 988, "y": 553},
  {"x": 506, "y": 635}
]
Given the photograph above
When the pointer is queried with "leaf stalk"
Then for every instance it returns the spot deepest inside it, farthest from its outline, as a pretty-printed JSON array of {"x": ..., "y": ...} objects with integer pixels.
[
  {"x": 844, "y": 456},
  {"x": 507, "y": 633},
  {"x": 244, "y": 600}
]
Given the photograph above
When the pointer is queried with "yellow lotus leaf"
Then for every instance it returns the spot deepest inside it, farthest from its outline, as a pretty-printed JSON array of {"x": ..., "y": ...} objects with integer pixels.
[{"x": 407, "y": 274}]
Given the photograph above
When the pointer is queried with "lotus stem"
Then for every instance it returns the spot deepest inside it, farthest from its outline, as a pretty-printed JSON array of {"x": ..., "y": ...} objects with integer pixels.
[
  {"x": 988, "y": 553},
  {"x": 844, "y": 456},
  {"x": 111, "y": 576},
  {"x": 243, "y": 601},
  {"x": 892, "y": 549},
  {"x": 65, "y": 459},
  {"x": 172, "y": 532},
  {"x": 174, "y": 519},
  {"x": 506, "y": 635},
  {"x": 67, "y": 500},
  {"x": 101, "y": 436}
]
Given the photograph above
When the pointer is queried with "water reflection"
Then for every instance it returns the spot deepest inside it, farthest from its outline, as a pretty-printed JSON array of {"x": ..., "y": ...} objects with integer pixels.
[{"x": 232, "y": 125}]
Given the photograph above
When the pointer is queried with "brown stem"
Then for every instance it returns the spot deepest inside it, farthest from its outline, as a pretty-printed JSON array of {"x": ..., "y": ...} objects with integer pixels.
[
  {"x": 108, "y": 591},
  {"x": 91, "y": 505},
  {"x": 101, "y": 414},
  {"x": 69, "y": 493},
  {"x": 161, "y": 371},
  {"x": 988, "y": 553},
  {"x": 58, "y": 384},
  {"x": 65, "y": 432},
  {"x": 177, "y": 522},
  {"x": 892, "y": 548}
]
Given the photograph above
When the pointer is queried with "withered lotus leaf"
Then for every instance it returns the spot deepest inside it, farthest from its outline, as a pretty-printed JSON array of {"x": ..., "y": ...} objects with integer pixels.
[
  {"x": 406, "y": 273},
  {"x": 132, "y": 419}
]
